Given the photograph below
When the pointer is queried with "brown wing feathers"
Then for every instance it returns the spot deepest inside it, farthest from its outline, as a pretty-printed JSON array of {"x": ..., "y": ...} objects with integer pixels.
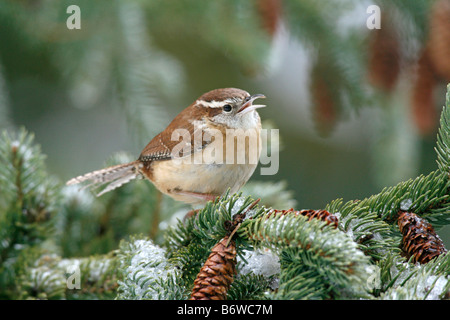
[{"x": 187, "y": 123}]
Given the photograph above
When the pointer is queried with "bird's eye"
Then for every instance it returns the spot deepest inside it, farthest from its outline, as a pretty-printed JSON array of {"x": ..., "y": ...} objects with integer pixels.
[{"x": 227, "y": 108}]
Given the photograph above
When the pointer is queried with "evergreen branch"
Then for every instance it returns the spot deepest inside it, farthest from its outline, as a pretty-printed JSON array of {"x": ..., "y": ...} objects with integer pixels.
[
  {"x": 443, "y": 140},
  {"x": 186, "y": 249},
  {"x": 210, "y": 223},
  {"x": 372, "y": 234},
  {"x": 218, "y": 271},
  {"x": 43, "y": 275},
  {"x": 189, "y": 242},
  {"x": 19, "y": 157},
  {"x": 420, "y": 282},
  {"x": 439, "y": 216},
  {"x": 98, "y": 276},
  {"x": 147, "y": 273},
  {"x": 316, "y": 247},
  {"x": 248, "y": 287},
  {"x": 419, "y": 195},
  {"x": 370, "y": 220},
  {"x": 28, "y": 203},
  {"x": 298, "y": 281},
  {"x": 189, "y": 258},
  {"x": 37, "y": 277}
]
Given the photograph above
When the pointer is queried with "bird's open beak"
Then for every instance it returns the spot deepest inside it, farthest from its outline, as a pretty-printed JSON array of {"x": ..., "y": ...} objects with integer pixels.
[{"x": 248, "y": 104}]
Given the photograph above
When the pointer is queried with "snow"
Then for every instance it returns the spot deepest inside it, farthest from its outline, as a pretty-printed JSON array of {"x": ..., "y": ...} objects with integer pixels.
[
  {"x": 23, "y": 150},
  {"x": 261, "y": 262},
  {"x": 437, "y": 284},
  {"x": 69, "y": 264},
  {"x": 416, "y": 282},
  {"x": 45, "y": 279},
  {"x": 238, "y": 206},
  {"x": 79, "y": 196},
  {"x": 97, "y": 269},
  {"x": 405, "y": 205},
  {"x": 147, "y": 271}
]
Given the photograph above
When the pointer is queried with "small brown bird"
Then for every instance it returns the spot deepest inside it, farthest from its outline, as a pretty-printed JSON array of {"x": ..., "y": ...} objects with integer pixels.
[{"x": 211, "y": 146}]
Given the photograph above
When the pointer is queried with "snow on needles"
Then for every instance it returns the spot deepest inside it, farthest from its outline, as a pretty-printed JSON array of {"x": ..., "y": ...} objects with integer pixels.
[{"x": 147, "y": 272}]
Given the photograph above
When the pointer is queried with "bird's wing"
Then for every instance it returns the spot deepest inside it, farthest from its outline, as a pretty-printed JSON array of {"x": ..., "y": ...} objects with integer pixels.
[{"x": 184, "y": 135}]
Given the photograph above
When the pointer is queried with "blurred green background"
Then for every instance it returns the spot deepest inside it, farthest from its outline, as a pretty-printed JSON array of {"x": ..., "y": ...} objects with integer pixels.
[{"x": 357, "y": 108}]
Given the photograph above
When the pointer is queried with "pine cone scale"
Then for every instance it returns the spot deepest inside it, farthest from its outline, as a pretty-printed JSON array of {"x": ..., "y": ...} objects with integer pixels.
[{"x": 217, "y": 273}]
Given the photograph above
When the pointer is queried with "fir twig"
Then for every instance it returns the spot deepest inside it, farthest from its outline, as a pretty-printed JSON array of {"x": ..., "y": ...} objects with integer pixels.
[{"x": 443, "y": 140}]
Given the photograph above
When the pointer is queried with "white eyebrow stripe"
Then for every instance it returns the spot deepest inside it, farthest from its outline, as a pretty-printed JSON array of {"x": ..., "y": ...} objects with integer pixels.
[{"x": 214, "y": 103}]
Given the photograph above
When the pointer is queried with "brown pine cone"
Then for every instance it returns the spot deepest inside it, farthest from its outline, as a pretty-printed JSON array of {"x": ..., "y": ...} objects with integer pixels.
[
  {"x": 216, "y": 275},
  {"x": 384, "y": 56},
  {"x": 420, "y": 241},
  {"x": 439, "y": 38},
  {"x": 423, "y": 109},
  {"x": 270, "y": 12},
  {"x": 325, "y": 107},
  {"x": 323, "y": 215}
]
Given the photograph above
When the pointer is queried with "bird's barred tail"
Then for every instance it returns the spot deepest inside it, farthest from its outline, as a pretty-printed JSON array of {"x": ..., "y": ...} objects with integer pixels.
[{"x": 113, "y": 176}]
